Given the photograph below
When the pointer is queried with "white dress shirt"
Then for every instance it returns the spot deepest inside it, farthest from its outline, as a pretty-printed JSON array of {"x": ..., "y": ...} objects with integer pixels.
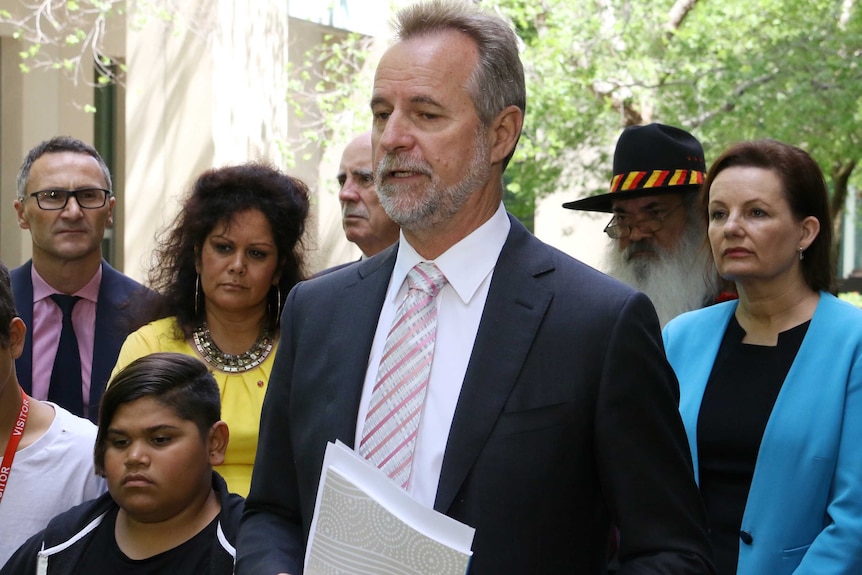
[{"x": 468, "y": 267}]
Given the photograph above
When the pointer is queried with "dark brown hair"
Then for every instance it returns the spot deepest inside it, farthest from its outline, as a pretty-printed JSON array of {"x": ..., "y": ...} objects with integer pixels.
[{"x": 804, "y": 188}]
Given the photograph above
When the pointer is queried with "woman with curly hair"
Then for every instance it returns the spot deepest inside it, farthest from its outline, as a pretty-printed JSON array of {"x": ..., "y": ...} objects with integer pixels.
[{"x": 223, "y": 270}]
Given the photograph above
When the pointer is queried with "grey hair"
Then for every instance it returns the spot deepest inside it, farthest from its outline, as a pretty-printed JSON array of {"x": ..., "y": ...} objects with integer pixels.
[
  {"x": 498, "y": 80},
  {"x": 56, "y": 145}
]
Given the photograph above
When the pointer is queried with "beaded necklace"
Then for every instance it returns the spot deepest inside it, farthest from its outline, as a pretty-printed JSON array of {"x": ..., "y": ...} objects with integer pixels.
[{"x": 226, "y": 362}]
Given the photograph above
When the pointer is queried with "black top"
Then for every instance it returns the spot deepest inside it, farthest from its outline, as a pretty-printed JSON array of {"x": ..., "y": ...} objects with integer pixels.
[
  {"x": 104, "y": 556},
  {"x": 736, "y": 406},
  {"x": 67, "y": 538}
]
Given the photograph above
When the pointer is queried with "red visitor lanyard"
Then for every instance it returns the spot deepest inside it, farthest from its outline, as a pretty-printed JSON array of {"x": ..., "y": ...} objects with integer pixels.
[{"x": 14, "y": 439}]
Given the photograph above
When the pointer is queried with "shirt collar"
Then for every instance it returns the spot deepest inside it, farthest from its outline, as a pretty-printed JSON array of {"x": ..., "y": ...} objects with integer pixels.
[
  {"x": 467, "y": 263},
  {"x": 42, "y": 290}
]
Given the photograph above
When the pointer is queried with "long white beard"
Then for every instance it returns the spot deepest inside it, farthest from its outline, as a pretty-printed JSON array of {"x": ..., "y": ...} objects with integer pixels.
[{"x": 675, "y": 282}]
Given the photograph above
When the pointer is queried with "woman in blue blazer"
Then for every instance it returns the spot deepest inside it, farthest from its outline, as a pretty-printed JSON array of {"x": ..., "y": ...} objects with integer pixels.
[{"x": 771, "y": 384}]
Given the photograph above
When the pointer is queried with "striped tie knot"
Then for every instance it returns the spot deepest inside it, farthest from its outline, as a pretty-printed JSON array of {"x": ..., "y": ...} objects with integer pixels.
[{"x": 426, "y": 277}]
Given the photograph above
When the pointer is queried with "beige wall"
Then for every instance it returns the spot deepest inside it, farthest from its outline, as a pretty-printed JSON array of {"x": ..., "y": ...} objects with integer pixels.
[
  {"x": 212, "y": 94},
  {"x": 11, "y": 96},
  {"x": 208, "y": 90},
  {"x": 168, "y": 137},
  {"x": 34, "y": 107},
  {"x": 579, "y": 234}
]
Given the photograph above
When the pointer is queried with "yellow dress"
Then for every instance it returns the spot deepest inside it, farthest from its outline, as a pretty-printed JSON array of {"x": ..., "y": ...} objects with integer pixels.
[{"x": 241, "y": 396}]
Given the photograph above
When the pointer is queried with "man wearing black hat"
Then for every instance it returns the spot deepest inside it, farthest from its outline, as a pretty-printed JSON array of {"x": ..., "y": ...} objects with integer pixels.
[{"x": 659, "y": 247}]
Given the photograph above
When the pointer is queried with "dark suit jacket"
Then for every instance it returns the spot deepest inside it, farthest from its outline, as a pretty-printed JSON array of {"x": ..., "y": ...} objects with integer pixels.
[
  {"x": 334, "y": 268},
  {"x": 116, "y": 312},
  {"x": 567, "y": 420}
]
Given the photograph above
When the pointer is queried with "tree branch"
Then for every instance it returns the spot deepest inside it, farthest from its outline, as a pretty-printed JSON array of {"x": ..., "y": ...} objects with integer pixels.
[
  {"x": 728, "y": 106},
  {"x": 840, "y": 173},
  {"x": 678, "y": 13}
]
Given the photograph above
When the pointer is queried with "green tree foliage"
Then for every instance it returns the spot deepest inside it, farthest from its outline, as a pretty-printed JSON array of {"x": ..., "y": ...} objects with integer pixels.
[
  {"x": 77, "y": 28},
  {"x": 785, "y": 70},
  {"x": 328, "y": 94},
  {"x": 727, "y": 70}
]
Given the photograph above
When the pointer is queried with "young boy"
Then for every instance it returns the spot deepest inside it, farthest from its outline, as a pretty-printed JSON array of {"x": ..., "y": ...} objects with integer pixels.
[
  {"x": 166, "y": 510},
  {"x": 47, "y": 452}
]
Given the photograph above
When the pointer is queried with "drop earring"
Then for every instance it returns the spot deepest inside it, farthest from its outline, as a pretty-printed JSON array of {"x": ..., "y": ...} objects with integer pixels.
[
  {"x": 197, "y": 292},
  {"x": 801, "y": 254},
  {"x": 278, "y": 306}
]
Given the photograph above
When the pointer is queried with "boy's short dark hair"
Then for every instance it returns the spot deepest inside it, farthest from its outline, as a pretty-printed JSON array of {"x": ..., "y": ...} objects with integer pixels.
[
  {"x": 177, "y": 381},
  {"x": 7, "y": 305}
]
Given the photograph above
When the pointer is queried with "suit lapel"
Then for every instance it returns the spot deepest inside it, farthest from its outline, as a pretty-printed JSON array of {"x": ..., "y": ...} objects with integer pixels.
[
  {"x": 108, "y": 337},
  {"x": 517, "y": 301},
  {"x": 361, "y": 303}
]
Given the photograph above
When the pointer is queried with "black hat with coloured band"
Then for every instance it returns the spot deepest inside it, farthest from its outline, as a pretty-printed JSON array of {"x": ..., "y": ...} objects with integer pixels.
[{"x": 650, "y": 160}]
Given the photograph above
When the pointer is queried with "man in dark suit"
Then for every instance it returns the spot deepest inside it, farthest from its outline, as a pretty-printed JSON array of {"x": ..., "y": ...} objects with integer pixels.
[
  {"x": 550, "y": 410},
  {"x": 65, "y": 201}
]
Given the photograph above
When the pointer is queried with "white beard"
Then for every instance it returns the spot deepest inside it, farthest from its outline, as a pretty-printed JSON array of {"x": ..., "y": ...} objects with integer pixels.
[
  {"x": 416, "y": 209},
  {"x": 675, "y": 282}
]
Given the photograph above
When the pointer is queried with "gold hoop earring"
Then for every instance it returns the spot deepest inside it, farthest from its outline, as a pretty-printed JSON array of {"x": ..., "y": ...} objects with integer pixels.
[{"x": 197, "y": 292}]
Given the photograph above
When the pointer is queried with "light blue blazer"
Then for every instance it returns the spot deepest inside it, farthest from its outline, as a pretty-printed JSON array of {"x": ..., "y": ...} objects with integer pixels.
[{"x": 804, "y": 508}]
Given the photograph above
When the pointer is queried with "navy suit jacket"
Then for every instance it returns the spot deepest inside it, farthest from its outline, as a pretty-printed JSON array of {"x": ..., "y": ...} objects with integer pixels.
[
  {"x": 120, "y": 297},
  {"x": 567, "y": 421}
]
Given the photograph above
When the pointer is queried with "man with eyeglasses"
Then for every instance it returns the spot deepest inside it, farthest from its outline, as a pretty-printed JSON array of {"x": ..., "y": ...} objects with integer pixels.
[
  {"x": 72, "y": 298},
  {"x": 659, "y": 243}
]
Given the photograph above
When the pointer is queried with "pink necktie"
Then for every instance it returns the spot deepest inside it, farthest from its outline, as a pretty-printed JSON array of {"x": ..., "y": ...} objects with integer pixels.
[{"x": 392, "y": 423}]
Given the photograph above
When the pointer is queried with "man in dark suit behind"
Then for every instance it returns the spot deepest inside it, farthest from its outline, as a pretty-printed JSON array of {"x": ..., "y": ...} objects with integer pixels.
[
  {"x": 65, "y": 200},
  {"x": 550, "y": 410}
]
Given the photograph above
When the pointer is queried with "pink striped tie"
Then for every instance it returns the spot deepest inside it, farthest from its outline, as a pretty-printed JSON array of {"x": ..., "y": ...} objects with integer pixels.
[{"x": 392, "y": 423}]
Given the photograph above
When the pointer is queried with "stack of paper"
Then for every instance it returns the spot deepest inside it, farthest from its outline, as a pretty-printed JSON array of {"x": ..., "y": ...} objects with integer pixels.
[{"x": 365, "y": 524}]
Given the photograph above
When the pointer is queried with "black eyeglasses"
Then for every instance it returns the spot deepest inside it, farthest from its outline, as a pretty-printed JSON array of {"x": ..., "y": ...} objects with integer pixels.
[
  {"x": 87, "y": 198},
  {"x": 650, "y": 225}
]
